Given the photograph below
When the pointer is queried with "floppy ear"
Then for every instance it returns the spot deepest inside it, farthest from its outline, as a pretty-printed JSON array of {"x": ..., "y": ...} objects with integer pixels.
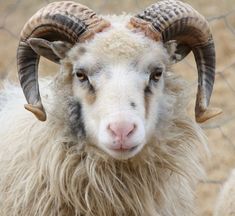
[
  {"x": 54, "y": 51},
  {"x": 176, "y": 51}
]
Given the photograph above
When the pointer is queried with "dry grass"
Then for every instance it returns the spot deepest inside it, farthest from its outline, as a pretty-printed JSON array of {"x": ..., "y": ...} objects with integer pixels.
[{"x": 14, "y": 13}]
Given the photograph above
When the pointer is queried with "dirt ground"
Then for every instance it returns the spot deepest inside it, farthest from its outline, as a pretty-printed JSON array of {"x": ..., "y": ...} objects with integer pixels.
[{"x": 220, "y": 131}]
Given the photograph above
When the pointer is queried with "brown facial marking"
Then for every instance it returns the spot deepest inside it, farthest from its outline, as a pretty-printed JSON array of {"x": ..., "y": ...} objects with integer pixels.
[
  {"x": 90, "y": 96},
  {"x": 144, "y": 26}
]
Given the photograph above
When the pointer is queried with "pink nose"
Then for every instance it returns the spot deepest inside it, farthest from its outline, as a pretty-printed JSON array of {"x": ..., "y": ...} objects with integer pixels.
[{"x": 121, "y": 130}]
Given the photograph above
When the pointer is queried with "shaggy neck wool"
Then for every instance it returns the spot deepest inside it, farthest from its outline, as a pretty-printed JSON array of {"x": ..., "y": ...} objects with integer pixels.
[{"x": 50, "y": 174}]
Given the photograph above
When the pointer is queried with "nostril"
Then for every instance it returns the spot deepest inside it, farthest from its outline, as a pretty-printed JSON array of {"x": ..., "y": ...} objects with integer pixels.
[
  {"x": 132, "y": 130},
  {"x": 111, "y": 131},
  {"x": 121, "y": 130}
]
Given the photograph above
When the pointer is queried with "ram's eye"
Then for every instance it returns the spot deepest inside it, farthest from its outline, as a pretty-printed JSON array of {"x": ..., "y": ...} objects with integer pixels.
[
  {"x": 82, "y": 77},
  {"x": 156, "y": 74}
]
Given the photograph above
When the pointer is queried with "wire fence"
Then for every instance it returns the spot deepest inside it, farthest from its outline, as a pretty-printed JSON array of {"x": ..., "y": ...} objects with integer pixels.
[{"x": 220, "y": 14}]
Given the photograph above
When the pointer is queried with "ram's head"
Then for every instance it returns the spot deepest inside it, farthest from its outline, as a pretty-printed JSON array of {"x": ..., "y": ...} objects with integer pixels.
[{"x": 117, "y": 67}]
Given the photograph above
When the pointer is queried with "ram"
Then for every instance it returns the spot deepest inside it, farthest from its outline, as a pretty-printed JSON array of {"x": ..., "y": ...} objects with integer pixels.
[{"x": 114, "y": 136}]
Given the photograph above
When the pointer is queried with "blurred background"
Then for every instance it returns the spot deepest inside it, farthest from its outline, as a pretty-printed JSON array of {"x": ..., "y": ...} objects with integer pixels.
[{"x": 220, "y": 131}]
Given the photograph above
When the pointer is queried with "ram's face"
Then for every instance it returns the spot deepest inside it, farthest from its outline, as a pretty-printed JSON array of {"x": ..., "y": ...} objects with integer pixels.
[{"x": 118, "y": 79}]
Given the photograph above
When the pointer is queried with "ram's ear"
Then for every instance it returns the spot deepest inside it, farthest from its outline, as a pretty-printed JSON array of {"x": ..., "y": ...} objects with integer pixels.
[
  {"x": 176, "y": 51},
  {"x": 54, "y": 51}
]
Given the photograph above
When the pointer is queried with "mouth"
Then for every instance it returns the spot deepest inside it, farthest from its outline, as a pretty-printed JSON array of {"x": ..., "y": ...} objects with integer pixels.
[
  {"x": 123, "y": 149},
  {"x": 123, "y": 153}
]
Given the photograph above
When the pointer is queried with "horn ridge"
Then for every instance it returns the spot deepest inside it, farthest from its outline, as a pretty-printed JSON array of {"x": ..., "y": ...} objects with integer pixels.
[
  {"x": 65, "y": 20},
  {"x": 206, "y": 68},
  {"x": 29, "y": 61},
  {"x": 174, "y": 20},
  {"x": 174, "y": 15}
]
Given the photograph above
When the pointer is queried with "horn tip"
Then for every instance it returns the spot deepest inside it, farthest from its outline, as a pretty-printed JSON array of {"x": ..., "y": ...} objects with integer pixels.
[
  {"x": 208, "y": 114},
  {"x": 37, "y": 111}
]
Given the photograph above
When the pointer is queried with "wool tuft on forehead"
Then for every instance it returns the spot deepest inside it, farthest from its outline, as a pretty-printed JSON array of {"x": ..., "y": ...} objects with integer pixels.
[{"x": 118, "y": 42}]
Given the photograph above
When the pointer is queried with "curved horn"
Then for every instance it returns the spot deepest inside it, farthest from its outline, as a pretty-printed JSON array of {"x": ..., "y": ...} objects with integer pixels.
[
  {"x": 67, "y": 21},
  {"x": 175, "y": 20}
]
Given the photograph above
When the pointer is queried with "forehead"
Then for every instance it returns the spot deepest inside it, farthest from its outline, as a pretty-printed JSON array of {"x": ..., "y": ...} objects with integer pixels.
[{"x": 118, "y": 44}]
